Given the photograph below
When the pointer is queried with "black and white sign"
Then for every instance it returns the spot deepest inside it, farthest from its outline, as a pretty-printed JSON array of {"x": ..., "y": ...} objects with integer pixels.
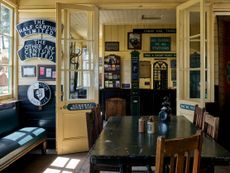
[
  {"x": 37, "y": 26},
  {"x": 39, "y": 93},
  {"x": 38, "y": 49}
]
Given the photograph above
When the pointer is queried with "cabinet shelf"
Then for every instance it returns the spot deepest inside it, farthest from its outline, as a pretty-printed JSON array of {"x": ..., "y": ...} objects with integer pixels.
[{"x": 112, "y": 71}]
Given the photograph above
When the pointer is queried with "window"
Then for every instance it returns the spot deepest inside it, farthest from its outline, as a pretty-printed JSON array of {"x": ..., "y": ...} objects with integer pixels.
[{"x": 6, "y": 51}]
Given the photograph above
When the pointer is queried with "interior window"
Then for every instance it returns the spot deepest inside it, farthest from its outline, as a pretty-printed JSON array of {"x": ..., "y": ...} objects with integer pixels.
[{"x": 6, "y": 51}]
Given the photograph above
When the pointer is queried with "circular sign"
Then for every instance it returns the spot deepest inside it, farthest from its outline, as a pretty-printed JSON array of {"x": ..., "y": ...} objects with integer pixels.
[{"x": 39, "y": 93}]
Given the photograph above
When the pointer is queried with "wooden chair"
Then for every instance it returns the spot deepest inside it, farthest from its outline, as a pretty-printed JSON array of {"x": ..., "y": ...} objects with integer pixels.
[
  {"x": 115, "y": 107},
  {"x": 180, "y": 152},
  {"x": 98, "y": 122},
  {"x": 94, "y": 124},
  {"x": 198, "y": 116},
  {"x": 210, "y": 125}
]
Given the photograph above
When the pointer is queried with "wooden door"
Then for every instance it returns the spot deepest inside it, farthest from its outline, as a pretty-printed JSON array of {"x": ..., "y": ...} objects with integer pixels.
[
  {"x": 77, "y": 74},
  {"x": 194, "y": 57}
]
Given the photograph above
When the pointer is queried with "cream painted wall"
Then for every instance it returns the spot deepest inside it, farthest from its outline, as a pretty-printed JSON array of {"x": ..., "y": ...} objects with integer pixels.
[
  {"x": 119, "y": 33},
  {"x": 28, "y": 15}
]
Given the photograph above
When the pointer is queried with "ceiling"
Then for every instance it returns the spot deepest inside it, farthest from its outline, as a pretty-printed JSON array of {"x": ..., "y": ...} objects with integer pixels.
[
  {"x": 125, "y": 17},
  {"x": 122, "y": 17}
]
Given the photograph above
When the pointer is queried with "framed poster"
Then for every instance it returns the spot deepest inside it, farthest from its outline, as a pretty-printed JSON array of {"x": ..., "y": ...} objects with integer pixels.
[
  {"x": 134, "y": 40},
  {"x": 111, "y": 46},
  {"x": 28, "y": 71},
  {"x": 46, "y": 72}
]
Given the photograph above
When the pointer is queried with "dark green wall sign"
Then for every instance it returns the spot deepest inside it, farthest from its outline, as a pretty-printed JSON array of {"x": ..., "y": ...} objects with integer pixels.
[{"x": 160, "y": 43}]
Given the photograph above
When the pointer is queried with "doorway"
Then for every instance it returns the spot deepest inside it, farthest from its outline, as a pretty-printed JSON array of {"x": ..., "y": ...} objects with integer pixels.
[{"x": 222, "y": 99}]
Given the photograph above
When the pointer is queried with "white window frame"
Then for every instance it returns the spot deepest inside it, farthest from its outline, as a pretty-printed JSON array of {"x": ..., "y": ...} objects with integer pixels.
[{"x": 13, "y": 62}]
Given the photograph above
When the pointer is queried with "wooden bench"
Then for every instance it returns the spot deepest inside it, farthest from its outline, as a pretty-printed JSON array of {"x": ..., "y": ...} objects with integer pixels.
[{"x": 16, "y": 140}]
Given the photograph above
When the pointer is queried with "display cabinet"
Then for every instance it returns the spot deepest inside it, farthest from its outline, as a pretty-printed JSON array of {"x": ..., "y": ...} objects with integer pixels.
[{"x": 112, "y": 70}]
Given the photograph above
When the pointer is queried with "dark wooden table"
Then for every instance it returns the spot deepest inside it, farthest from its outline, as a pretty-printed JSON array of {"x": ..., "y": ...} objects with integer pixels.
[{"x": 120, "y": 143}]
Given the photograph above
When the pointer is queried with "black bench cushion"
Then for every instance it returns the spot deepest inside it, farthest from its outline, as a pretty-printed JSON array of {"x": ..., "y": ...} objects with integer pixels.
[
  {"x": 9, "y": 121},
  {"x": 6, "y": 146},
  {"x": 20, "y": 138}
]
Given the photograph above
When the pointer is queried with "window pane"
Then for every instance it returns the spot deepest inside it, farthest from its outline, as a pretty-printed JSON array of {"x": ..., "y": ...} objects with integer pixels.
[
  {"x": 5, "y": 81},
  {"x": 6, "y": 16},
  {"x": 5, "y": 50},
  {"x": 194, "y": 84}
]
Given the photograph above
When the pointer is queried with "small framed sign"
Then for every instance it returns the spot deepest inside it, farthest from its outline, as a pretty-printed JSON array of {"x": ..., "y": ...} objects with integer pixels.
[
  {"x": 111, "y": 46},
  {"x": 28, "y": 71},
  {"x": 46, "y": 72},
  {"x": 160, "y": 44}
]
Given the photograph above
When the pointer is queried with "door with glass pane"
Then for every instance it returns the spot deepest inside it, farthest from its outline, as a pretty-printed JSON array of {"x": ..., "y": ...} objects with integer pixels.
[
  {"x": 77, "y": 74},
  {"x": 193, "y": 56}
]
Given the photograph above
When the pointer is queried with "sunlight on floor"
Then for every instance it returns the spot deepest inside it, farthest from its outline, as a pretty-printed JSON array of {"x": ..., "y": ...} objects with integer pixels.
[{"x": 62, "y": 165}]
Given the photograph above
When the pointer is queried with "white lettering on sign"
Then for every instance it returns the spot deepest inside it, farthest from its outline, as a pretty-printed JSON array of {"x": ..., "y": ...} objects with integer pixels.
[
  {"x": 39, "y": 93},
  {"x": 37, "y": 26}
]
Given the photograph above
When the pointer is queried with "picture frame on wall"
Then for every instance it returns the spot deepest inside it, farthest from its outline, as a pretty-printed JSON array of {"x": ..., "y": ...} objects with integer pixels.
[
  {"x": 28, "y": 70},
  {"x": 112, "y": 46},
  {"x": 134, "y": 40},
  {"x": 47, "y": 72}
]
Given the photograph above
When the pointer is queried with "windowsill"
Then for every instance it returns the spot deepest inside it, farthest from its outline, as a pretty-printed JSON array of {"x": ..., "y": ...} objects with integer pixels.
[{"x": 7, "y": 101}]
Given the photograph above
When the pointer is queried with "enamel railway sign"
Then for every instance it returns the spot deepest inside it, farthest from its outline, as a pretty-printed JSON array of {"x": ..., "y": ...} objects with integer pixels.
[
  {"x": 39, "y": 93},
  {"x": 80, "y": 106},
  {"x": 37, "y": 26},
  {"x": 38, "y": 48}
]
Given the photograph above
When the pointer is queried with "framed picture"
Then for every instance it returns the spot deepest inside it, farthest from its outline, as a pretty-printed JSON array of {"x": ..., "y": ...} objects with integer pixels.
[
  {"x": 111, "y": 46},
  {"x": 134, "y": 40},
  {"x": 28, "y": 71},
  {"x": 46, "y": 72}
]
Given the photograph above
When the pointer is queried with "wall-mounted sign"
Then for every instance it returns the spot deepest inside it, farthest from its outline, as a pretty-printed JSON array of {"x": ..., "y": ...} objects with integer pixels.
[
  {"x": 156, "y": 31},
  {"x": 39, "y": 93},
  {"x": 159, "y": 55},
  {"x": 80, "y": 106},
  {"x": 112, "y": 46},
  {"x": 187, "y": 107},
  {"x": 37, "y": 26},
  {"x": 38, "y": 49},
  {"x": 160, "y": 43}
]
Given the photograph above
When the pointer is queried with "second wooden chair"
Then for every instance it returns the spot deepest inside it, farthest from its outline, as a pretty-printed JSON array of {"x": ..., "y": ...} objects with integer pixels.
[
  {"x": 180, "y": 152},
  {"x": 210, "y": 125}
]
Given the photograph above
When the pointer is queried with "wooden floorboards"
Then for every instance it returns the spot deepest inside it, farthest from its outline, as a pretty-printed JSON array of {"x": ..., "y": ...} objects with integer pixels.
[{"x": 51, "y": 163}]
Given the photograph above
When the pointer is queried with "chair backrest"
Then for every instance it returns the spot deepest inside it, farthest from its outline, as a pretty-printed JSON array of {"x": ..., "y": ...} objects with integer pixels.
[
  {"x": 98, "y": 123},
  {"x": 198, "y": 116},
  {"x": 115, "y": 107},
  {"x": 210, "y": 125},
  {"x": 94, "y": 124},
  {"x": 179, "y": 151}
]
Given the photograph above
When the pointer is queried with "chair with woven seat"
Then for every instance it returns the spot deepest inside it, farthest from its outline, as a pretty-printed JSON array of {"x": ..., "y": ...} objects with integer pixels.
[
  {"x": 183, "y": 154},
  {"x": 198, "y": 116}
]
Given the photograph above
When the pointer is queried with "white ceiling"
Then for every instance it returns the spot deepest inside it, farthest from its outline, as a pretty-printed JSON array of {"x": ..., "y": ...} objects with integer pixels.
[
  {"x": 121, "y": 17},
  {"x": 124, "y": 17}
]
